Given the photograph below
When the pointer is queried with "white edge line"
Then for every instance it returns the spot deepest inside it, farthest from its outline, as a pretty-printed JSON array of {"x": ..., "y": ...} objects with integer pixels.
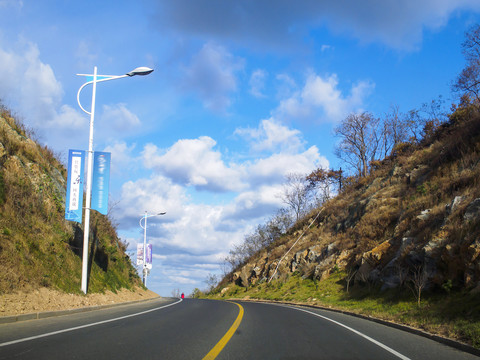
[
  {"x": 85, "y": 326},
  {"x": 383, "y": 346}
]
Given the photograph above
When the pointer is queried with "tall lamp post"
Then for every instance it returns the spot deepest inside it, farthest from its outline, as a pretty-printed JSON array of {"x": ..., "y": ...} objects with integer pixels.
[
  {"x": 94, "y": 79},
  {"x": 145, "y": 217}
]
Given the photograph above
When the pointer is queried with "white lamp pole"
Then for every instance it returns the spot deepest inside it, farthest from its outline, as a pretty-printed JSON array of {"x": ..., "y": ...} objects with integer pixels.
[
  {"x": 144, "y": 270},
  {"x": 95, "y": 79}
]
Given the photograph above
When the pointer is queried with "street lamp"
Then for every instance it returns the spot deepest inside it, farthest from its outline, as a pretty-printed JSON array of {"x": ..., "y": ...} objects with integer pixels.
[
  {"x": 145, "y": 217},
  {"x": 94, "y": 79}
]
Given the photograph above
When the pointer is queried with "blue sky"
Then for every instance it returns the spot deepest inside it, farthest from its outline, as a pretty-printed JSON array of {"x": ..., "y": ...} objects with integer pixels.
[{"x": 243, "y": 93}]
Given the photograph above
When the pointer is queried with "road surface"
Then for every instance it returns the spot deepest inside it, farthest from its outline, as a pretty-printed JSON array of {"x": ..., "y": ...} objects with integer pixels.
[{"x": 208, "y": 329}]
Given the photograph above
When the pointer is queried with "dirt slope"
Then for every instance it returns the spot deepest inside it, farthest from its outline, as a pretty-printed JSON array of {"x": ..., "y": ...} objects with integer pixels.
[{"x": 44, "y": 299}]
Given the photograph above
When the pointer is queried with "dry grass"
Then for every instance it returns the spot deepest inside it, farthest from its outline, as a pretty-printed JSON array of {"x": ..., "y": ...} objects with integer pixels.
[{"x": 37, "y": 246}]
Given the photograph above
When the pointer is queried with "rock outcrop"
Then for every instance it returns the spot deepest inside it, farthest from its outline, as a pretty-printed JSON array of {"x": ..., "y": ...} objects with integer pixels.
[{"x": 420, "y": 211}]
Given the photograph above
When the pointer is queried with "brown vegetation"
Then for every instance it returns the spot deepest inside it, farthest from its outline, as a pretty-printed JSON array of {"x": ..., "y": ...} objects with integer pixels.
[{"x": 37, "y": 246}]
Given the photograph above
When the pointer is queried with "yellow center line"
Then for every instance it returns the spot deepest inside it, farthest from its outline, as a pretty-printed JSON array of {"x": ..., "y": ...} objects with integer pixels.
[{"x": 226, "y": 338}]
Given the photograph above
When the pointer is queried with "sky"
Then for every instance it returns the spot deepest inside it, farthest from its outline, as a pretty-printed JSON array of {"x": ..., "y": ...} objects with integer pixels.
[{"x": 242, "y": 94}]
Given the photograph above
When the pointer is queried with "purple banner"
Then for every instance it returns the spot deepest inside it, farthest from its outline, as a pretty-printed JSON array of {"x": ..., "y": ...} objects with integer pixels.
[{"x": 149, "y": 254}]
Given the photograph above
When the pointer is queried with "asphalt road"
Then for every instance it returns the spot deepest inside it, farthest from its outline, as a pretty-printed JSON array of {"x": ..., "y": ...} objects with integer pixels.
[{"x": 197, "y": 329}]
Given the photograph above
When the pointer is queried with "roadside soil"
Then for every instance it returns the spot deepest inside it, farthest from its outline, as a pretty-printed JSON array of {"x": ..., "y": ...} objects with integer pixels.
[{"x": 45, "y": 299}]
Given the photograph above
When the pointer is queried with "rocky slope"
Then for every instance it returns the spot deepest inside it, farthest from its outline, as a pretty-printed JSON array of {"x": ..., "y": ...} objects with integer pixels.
[
  {"x": 416, "y": 217},
  {"x": 38, "y": 248}
]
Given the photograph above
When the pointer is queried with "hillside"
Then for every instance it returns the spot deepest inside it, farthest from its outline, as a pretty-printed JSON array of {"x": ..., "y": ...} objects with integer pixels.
[
  {"x": 402, "y": 243},
  {"x": 38, "y": 248}
]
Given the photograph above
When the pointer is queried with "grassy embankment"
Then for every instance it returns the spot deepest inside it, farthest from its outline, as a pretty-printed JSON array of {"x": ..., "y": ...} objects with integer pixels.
[
  {"x": 449, "y": 314},
  {"x": 38, "y": 248}
]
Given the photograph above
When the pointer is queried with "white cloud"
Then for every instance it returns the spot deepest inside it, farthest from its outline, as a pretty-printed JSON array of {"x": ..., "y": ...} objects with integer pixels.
[
  {"x": 272, "y": 136},
  {"x": 253, "y": 205},
  {"x": 186, "y": 226},
  {"x": 257, "y": 83},
  {"x": 183, "y": 279},
  {"x": 86, "y": 59},
  {"x": 30, "y": 82},
  {"x": 194, "y": 162},
  {"x": 325, "y": 47},
  {"x": 286, "y": 86},
  {"x": 212, "y": 74},
  {"x": 272, "y": 170},
  {"x": 30, "y": 85},
  {"x": 322, "y": 100},
  {"x": 196, "y": 230},
  {"x": 122, "y": 157},
  {"x": 202, "y": 228},
  {"x": 120, "y": 119},
  {"x": 155, "y": 194}
]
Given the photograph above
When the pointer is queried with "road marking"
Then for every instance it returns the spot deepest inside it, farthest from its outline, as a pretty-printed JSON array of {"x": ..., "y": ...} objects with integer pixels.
[
  {"x": 226, "y": 338},
  {"x": 383, "y": 346},
  {"x": 85, "y": 326}
]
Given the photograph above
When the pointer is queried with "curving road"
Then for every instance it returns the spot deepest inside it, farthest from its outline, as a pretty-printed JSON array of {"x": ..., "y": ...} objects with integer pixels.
[{"x": 198, "y": 329}]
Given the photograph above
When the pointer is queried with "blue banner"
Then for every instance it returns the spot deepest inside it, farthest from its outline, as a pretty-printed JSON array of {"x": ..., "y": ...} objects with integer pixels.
[
  {"x": 74, "y": 200},
  {"x": 101, "y": 181}
]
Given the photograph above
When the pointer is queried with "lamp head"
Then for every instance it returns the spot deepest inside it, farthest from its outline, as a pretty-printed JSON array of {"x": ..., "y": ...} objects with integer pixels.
[{"x": 140, "y": 71}]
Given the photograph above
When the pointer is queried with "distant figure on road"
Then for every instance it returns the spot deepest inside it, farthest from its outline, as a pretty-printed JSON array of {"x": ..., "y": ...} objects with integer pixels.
[{"x": 183, "y": 296}]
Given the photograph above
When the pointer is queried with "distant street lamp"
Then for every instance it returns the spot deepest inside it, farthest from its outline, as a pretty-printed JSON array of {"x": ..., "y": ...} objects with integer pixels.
[
  {"x": 145, "y": 217},
  {"x": 94, "y": 79}
]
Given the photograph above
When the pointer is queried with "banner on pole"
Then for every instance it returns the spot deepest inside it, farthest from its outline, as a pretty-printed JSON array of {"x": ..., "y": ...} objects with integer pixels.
[
  {"x": 148, "y": 256},
  {"x": 74, "y": 200},
  {"x": 100, "y": 182},
  {"x": 139, "y": 254}
]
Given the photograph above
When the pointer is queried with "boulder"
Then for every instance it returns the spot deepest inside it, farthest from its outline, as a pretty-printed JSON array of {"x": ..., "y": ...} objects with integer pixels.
[
  {"x": 343, "y": 259},
  {"x": 321, "y": 273},
  {"x": 472, "y": 212},
  {"x": 224, "y": 290},
  {"x": 300, "y": 256},
  {"x": 454, "y": 204},
  {"x": 378, "y": 253},
  {"x": 433, "y": 247},
  {"x": 363, "y": 273},
  {"x": 418, "y": 174},
  {"x": 314, "y": 253},
  {"x": 424, "y": 215}
]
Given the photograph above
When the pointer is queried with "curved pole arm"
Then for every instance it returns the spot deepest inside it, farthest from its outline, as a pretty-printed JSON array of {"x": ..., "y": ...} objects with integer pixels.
[
  {"x": 147, "y": 216},
  {"x": 140, "y": 222},
  {"x": 91, "y": 82},
  {"x": 78, "y": 97}
]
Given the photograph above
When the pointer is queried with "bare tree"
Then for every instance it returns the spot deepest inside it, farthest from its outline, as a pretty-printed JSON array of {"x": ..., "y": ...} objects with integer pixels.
[
  {"x": 263, "y": 236},
  {"x": 360, "y": 141},
  {"x": 394, "y": 130},
  {"x": 211, "y": 281},
  {"x": 468, "y": 82},
  {"x": 402, "y": 274},
  {"x": 319, "y": 181},
  {"x": 350, "y": 276},
  {"x": 415, "y": 124},
  {"x": 279, "y": 224},
  {"x": 296, "y": 194},
  {"x": 237, "y": 256},
  {"x": 419, "y": 280}
]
